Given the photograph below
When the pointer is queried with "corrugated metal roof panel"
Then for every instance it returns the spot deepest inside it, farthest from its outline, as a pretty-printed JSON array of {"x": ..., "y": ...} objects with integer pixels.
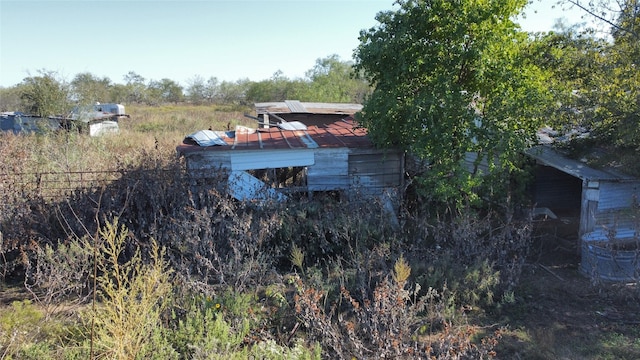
[
  {"x": 295, "y": 106},
  {"x": 549, "y": 157},
  {"x": 339, "y": 134}
]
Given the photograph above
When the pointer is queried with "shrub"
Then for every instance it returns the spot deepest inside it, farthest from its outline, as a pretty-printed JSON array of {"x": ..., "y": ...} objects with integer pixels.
[
  {"x": 388, "y": 323},
  {"x": 132, "y": 297}
]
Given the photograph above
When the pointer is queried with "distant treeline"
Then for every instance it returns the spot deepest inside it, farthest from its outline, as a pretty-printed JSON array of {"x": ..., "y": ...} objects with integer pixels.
[{"x": 46, "y": 93}]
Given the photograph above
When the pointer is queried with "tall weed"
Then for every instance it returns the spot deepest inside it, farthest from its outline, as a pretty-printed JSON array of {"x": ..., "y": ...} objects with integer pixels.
[{"x": 132, "y": 296}]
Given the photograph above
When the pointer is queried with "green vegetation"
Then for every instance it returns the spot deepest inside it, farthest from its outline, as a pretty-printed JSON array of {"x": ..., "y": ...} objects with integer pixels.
[
  {"x": 446, "y": 86},
  {"x": 330, "y": 80},
  {"x": 133, "y": 257}
]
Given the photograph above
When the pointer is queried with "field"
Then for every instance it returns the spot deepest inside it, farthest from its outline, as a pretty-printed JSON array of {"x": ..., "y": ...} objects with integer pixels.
[{"x": 317, "y": 278}]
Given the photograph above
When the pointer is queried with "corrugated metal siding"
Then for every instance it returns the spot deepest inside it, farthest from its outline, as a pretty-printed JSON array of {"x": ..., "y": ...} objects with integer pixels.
[
  {"x": 281, "y": 158},
  {"x": 614, "y": 206},
  {"x": 330, "y": 172},
  {"x": 209, "y": 161},
  {"x": 374, "y": 172},
  {"x": 617, "y": 195}
]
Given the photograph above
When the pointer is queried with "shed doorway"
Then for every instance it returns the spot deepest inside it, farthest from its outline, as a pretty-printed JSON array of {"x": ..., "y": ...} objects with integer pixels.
[{"x": 557, "y": 198}]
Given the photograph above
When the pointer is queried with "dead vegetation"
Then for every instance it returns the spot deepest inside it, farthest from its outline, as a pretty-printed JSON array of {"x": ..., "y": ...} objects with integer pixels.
[{"x": 309, "y": 278}]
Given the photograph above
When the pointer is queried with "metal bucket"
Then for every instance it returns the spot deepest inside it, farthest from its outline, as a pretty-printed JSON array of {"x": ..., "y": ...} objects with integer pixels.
[{"x": 611, "y": 256}]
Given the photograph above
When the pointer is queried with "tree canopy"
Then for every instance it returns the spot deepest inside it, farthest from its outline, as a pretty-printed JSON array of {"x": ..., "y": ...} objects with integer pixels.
[
  {"x": 597, "y": 83},
  {"x": 451, "y": 80},
  {"x": 330, "y": 80}
]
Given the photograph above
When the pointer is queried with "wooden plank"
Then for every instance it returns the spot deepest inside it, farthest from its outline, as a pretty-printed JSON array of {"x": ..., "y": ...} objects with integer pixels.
[{"x": 330, "y": 171}]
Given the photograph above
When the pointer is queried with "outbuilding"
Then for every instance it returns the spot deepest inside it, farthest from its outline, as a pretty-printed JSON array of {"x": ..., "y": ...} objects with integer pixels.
[
  {"x": 603, "y": 205},
  {"x": 292, "y": 156}
]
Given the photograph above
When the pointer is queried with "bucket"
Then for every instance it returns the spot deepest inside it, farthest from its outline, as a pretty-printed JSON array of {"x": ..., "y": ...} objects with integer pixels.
[{"x": 611, "y": 256}]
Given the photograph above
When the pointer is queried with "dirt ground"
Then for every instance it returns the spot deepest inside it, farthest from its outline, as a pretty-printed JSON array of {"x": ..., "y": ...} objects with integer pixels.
[{"x": 562, "y": 314}]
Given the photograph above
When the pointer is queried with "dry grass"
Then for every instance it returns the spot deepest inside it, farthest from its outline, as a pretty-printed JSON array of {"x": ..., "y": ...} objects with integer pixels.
[{"x": 364, "y": 288}]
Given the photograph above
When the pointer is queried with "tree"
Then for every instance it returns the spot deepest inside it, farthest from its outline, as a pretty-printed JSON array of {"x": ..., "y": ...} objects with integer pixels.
[
  {"x": 621, "y": 15},
  {"x": 277, "y": 88},
  {"x": 195, "y": 91},
  {"x": 165, "y": 91},
  {"x": 602, "y": 76},
  {"x": 45, "y": 94},
  {"x": 88, "y": 88},
  {"x": 212, "y": 89},
  {"x": 234, "y": 93},
  {"x": 9, "y": 99},
  {"x": 617, "y": 116},
  {"x": 136, "y": 88},
  {"x": 449, "y": 81},
  {"x": 333, "y": 80}
]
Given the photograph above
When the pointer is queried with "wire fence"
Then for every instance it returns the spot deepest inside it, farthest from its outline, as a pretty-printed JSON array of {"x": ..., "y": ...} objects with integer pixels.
[{"x": 52, "y": 185}]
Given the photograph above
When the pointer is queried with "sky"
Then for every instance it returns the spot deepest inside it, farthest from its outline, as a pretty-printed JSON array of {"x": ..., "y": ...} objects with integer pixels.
[{"x": 179, "y": 40}]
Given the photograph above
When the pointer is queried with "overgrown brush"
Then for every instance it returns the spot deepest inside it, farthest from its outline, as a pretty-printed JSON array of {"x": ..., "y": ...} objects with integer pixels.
[
  {"x": 249, "y": 279},
  {"x": 479, "y": 258},
  {"x": 391, "y": 321}
]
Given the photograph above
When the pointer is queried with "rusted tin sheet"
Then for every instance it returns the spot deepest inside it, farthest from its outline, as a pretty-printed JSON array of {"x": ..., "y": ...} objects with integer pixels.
[{"x": 343, "y": 133}]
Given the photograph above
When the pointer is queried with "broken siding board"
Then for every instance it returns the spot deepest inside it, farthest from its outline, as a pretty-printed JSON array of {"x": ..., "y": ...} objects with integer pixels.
[
  {"x": 209, "y": 161},
  {"x": 243, "y": 186},
  {"x": 330, "y": 172},
  {"x": 273, "y": 159}
]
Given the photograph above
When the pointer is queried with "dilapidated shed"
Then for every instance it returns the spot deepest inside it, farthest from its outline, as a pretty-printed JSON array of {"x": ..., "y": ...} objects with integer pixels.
[
  {"x": 336, "y": 157},
  {"x": 600, "y": 198}
]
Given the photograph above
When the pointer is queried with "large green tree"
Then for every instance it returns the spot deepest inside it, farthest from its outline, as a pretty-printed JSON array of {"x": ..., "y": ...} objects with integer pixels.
[
  {"x": 453, "y": 88},
  {"x": 333, "y": 80},
  {"x": 45, "y": 94},
  {"x": 601, "y": 76},
  {"x": 164, "y": 91},
  {"x": 88, "y": 88},
  {"x": 617, "y": 116}
]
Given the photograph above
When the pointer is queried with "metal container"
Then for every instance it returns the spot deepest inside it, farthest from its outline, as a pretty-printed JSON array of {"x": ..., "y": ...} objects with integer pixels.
[{"x": 611, "y": 255}]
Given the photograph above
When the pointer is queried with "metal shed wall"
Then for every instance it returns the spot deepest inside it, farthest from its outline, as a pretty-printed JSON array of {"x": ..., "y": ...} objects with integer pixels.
[
  {"x": 373, "y": 172},
  {"x": 331, "y": 170},
  {"x": 613, "y": 205}
]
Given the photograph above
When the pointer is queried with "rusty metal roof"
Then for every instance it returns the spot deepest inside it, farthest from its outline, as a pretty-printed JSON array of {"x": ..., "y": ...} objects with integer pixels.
[
  {"x": 342, "y": 133},
  {"x": 295, "y": 106}
]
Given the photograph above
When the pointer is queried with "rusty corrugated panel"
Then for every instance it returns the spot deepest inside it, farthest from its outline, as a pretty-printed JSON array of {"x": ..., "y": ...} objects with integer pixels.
[{"x": 339, "y": 134}]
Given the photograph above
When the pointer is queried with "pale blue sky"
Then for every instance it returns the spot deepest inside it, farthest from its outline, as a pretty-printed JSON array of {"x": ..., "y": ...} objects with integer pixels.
[{"x": 178, "y": 40}]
